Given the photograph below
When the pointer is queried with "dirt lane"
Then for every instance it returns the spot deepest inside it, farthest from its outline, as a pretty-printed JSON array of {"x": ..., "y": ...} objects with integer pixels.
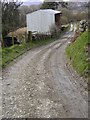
[{"x": 41, "y": 85}]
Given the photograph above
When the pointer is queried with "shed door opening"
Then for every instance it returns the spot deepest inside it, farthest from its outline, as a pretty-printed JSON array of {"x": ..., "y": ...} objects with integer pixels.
[{"x": 57, "y": 20}]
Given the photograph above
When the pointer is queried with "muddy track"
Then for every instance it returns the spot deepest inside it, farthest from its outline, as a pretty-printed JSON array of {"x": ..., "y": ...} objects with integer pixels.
[{"x": 41, "y": 85}]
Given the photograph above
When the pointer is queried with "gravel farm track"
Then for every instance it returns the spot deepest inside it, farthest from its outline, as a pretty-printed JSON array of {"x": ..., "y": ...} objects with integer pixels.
[{"x": 41, "y": 84}]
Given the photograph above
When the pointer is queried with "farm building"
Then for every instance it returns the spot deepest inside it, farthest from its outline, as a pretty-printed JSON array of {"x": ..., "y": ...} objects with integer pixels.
[{"x": 42, "y": 20}]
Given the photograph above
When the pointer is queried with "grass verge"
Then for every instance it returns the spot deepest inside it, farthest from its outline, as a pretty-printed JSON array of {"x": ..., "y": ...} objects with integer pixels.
[
  {"x": 78, "y": 54},
  {"x": 10, "y": 53}
]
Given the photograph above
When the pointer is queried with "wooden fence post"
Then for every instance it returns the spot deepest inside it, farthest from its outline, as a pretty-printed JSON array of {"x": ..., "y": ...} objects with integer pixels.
[
  {"x": 12, "y": 38},
  {"x": 29, "y": 36},
  {"x": 26, "y": 37}
]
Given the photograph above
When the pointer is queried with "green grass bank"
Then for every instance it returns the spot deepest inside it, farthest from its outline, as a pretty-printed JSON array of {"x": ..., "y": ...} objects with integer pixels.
[{"x": 77, "y": 53}]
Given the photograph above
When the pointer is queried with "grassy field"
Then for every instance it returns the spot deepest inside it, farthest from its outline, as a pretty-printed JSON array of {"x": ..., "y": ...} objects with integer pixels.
[
  {"x": 78, "y": 54},
  {"x": 10, "y": 53}
]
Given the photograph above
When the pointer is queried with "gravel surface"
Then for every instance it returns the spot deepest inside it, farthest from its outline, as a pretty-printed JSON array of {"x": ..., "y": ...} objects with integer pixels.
[{"x": 41, "y": 84}]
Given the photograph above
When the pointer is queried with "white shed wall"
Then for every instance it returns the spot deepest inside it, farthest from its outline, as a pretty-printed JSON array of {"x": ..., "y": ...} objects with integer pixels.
[
  {"x": 33, "y": 21},
  {"x": 40, "y": 21}
]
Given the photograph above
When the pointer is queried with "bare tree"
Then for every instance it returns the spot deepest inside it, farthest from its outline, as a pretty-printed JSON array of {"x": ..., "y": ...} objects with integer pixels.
[{"x": 10, "y": 16}]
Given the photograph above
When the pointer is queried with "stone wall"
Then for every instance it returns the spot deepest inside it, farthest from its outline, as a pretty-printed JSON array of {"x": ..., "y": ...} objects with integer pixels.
[{"x": 83, "y": 26}]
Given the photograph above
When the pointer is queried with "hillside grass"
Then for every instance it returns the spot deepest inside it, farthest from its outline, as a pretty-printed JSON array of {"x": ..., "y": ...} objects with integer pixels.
[{"x": 77, "y": 54}]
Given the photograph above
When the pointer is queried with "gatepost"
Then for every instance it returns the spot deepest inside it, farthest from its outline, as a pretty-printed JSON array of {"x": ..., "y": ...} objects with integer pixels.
[{"x": 29, "y": 36}]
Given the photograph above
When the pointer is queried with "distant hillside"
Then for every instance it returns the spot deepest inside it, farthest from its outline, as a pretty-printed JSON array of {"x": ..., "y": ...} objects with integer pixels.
[{"x": 77, "y": 5}]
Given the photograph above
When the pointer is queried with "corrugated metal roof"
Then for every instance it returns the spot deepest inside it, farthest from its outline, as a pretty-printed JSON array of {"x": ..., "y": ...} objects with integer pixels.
[
  {"x": 51, "y": 11},
  {"x": 47, "y": 10}
]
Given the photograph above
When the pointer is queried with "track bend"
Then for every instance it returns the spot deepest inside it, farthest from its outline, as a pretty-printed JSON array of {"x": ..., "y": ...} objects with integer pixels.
[{"x": 40, "y": 85}]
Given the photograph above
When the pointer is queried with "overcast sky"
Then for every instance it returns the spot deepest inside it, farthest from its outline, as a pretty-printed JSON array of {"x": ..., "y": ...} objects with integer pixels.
[
  {"x": 32, "y": 0},
  {"x": 53, "y": 0},
  {"x": 40, "y": 0}
]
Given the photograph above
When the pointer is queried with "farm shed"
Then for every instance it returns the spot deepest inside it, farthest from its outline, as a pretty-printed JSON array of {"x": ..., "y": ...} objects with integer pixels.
[{"x": 42, "y": 20}]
